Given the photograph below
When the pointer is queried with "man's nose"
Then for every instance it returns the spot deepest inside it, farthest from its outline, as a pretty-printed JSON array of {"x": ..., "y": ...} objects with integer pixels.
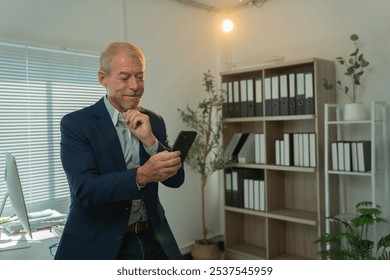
[{"x": 133, "y": 83}]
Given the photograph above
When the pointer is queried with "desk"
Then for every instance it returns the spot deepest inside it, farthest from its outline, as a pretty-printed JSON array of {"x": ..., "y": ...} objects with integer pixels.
[{"x": 39, "y": 249}]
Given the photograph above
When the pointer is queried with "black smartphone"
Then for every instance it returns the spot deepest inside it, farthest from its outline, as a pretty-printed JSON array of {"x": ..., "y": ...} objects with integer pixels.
[{"x": 184, "y": 142}]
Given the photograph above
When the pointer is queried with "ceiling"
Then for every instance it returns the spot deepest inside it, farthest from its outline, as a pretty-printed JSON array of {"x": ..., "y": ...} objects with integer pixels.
[
  {"x": 220, "y": 5},
  {"x": 223, "y": 4}
]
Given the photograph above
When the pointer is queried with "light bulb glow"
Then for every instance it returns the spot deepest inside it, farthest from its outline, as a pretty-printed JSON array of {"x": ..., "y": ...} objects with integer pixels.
[{"x": 227, "y": 25}]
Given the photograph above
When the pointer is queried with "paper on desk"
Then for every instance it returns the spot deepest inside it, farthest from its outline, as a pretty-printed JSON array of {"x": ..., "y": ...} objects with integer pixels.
[
  {"x": 18, "y": 242},
  {"x": 45, "y": 221}
]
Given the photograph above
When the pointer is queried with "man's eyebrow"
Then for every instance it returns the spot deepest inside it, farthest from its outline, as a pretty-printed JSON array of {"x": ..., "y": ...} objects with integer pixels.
[{"x": 129, "y": 74}]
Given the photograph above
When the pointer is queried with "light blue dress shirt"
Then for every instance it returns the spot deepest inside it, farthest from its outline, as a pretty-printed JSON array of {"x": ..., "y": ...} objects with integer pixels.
[{"x": 130, "y": 146}]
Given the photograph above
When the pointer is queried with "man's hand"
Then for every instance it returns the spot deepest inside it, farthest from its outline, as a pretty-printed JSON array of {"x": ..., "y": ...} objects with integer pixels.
[
  {"x": 159, "y": 167},
  {"x": 140, "y": 127}
]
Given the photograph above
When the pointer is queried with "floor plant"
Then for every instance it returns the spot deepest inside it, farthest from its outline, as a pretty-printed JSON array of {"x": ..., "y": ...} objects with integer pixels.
[{"x": 352, "y": 242}]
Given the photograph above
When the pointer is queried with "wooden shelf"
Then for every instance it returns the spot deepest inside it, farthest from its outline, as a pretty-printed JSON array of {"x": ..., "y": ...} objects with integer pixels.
[
  {"x": 274, "y": 167},
  {"x": 289, "y": 215},
  {"x": 289, "y": 257},
  {"x": 294, "y": 216},
  {"x": 269, "y": 118},
  {"x": 246, "y": 211},
  {"x": 246, "y": 252},
  {"x": 294, "y": 213}
]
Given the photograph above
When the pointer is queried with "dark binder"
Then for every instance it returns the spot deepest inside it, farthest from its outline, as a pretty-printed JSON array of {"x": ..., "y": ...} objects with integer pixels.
[
  {"x": 291, "y": 94},
  {"x": 278, "y": 152},
  {"x": 288, "y": 149},
  {"x": 236, "y": 99},
  {"x": 238, "y": 188},
  {"x": 283, "y": 94},
  {"x": 364, "y": 156},
  {"x": 228, "y": 187},
  {"x": 275, "y": 96},
  {"x": 243, "y": 99},
  {"x": 259, "y": 97},
  {"x": 267, "y": 96},
  {"x": 335, "y": 157},
  {"x": 300, "y": 97},
  {"x": 230, "y": 100},
  {"x": 251, "y": 97},
  {"x": 309, "y": 93},
  {"x": 225, "y": 96},
  {"x": 236, "y": 178}
]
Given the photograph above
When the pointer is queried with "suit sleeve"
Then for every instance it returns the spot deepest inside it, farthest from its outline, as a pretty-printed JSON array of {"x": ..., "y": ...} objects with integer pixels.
[
  {"x": 161, "y": 135},
  {"x": 94, "y": 177}
]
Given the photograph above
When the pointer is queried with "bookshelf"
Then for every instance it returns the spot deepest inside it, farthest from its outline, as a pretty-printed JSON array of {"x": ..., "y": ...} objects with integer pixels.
[
  {"x": 294, "y": 212},
  {"x": 374, "y": 131}
]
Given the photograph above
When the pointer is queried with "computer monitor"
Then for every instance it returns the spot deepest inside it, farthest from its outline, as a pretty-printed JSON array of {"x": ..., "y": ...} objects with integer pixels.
[{"x": 15, "y": 192}]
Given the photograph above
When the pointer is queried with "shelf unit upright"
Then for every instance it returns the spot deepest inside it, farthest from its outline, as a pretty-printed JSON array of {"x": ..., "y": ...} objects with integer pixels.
[
  {"x": 294, "y": 215},
  {"x": 376, "y": 124}
]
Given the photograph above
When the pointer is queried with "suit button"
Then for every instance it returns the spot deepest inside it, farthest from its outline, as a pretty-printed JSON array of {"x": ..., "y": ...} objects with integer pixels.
[{"x": 119, "y": 237}]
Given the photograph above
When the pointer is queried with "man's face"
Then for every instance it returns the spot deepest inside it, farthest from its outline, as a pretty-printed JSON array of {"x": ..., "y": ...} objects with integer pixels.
[{"x": 125, "y": 84}]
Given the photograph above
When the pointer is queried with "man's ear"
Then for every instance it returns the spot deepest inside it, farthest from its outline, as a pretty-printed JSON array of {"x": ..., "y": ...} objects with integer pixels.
[{"x": 102, "y": 78}]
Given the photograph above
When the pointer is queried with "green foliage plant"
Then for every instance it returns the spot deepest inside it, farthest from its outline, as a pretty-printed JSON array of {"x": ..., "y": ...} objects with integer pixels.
[
  {"x": 355, "y": 64},
  {"x": 206, "y": 154},
  {"x": 353, "y": 243}
]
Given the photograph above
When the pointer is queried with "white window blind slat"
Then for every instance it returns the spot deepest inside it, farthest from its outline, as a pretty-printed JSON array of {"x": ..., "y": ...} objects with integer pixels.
[{"x": 38, "y": 87}]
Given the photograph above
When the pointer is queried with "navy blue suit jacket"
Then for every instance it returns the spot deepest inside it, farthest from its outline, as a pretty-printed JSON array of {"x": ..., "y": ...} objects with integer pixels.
[{"x": 101, "y": 188}]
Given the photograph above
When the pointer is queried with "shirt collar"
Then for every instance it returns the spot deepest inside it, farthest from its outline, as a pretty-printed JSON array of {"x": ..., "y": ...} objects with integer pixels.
[{"x": 114, "y": 113}]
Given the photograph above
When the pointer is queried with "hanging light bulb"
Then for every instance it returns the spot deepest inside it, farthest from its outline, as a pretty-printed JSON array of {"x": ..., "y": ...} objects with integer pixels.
[{"x": 227, "y": 25}]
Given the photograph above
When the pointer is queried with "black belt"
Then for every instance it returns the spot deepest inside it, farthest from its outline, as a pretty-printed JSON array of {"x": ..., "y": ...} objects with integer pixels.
[{"x": 137, "y": 227}]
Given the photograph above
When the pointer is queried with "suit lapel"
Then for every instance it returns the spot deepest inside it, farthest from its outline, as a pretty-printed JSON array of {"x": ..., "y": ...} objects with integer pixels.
[{"x": 109, "y": 133}]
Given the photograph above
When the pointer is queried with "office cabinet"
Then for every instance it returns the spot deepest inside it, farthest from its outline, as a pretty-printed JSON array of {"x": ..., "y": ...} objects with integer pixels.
[{"x": 293, "y": 216}]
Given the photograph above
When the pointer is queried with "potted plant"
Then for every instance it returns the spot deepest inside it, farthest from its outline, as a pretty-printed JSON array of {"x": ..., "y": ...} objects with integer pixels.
[
  {"x": 354, "y": 64},
  {"x": 353, "y": 243},
  {"x": 206, "y": 154}
]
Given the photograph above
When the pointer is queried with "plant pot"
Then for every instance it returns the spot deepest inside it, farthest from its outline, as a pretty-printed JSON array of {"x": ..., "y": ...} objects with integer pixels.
[
  {"x": 354, "y": 112},
  {"x": 205, "y": 251}
]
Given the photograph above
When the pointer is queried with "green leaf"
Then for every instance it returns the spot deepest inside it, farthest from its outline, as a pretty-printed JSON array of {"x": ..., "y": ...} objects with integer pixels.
[
  {"x": 327, "y": 85},
  {"x": 355, "y": 52},
  {"x": 352, "y": 243},
  {"x": 340, "y": 60},
  {"x": 354, "y": 37},
  {"x": 365, "y": 63}
]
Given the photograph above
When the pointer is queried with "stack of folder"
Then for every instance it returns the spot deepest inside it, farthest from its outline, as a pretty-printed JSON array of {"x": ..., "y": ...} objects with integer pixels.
[
  {"x": 242, "y": 98},
  {"x": 296, "y": 149},
  {"x": 351, "y": 156},
  {"x": 245, "y": 188},
  {"x": 290, "y": 93}
]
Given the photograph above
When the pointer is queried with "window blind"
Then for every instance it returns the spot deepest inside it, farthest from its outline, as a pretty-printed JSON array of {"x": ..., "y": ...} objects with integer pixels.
[{"x": 38, "y": 86}]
